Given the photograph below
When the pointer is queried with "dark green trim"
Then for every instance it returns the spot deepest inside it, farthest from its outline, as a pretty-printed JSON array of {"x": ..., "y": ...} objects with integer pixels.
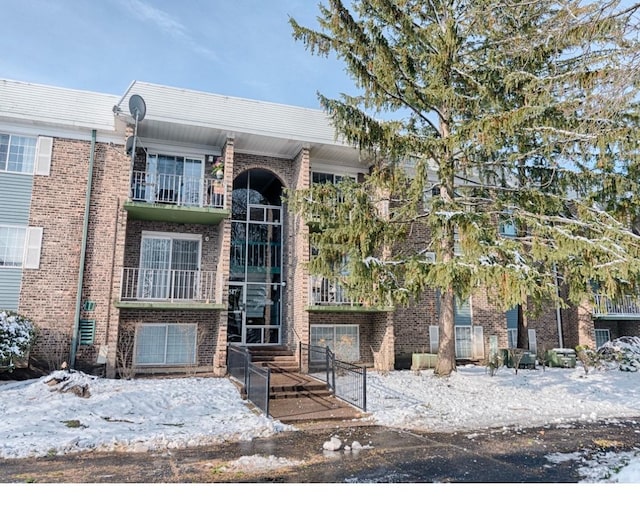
[
  {"x": 144, "y": 211},
  {"x": 170, "y": 305},
  {"x": 346, "y": 308}
]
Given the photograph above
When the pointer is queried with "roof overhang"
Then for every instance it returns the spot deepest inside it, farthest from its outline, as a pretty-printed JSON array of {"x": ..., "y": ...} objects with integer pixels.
[{"x": 194, "y": 118}]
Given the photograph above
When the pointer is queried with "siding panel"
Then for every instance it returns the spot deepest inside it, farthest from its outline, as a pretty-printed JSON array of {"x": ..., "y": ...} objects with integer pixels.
[
  {"x": 10, "y": 279},
  {"x": 15, "y": 198}
]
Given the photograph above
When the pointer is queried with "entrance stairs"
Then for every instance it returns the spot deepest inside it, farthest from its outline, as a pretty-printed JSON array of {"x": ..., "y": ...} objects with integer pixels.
[{"x": 295, "y": 397}]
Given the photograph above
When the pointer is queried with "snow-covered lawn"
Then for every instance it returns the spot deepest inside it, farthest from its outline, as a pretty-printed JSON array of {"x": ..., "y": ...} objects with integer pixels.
[{"x": 152, "y": 414}]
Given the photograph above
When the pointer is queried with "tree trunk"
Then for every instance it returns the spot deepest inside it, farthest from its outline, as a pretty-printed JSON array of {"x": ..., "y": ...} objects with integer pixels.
[
  {"x": 447, "y": 347},
  {"x": 523, "y": 335}
]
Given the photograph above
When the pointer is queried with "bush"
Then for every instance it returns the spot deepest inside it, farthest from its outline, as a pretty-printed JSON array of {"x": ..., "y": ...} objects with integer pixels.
[
  {"x": 17, "y": 334},
  {"x": 624, "y": 351}
]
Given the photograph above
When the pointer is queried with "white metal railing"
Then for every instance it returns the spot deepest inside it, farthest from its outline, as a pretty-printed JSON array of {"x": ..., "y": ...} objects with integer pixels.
[
  {"x": 628, "y": 305},
  {"x": 177, "y": 190},
  {"x": 326, "y": 292},
  {"x": 151, "y": 284}
]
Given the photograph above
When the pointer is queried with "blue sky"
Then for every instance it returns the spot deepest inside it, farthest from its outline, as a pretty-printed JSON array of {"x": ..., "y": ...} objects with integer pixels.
[{"x": 240, "y": 48}]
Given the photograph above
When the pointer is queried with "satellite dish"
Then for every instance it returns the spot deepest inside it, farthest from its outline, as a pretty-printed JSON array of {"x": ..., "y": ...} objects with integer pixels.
[
  {"x": 129, "y": 145},
  {"x": 137, "y": 107}
]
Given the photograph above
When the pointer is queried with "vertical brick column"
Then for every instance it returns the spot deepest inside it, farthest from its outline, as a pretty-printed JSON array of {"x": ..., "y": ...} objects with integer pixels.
[
  {"x": 222, "y": 273},
  {"x": 298, "y": 291}
]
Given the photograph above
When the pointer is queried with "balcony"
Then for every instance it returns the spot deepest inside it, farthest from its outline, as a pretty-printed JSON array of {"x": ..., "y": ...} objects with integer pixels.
[
  {"x": 330, "y": 296},
  {"x": 168, "y": 289},
  {"x": 176, "y": 198},
  {"x": 627, "y": 307}
]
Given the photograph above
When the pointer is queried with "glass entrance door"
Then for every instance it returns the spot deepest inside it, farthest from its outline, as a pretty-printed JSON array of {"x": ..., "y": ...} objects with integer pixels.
[{"x": 255, "y": 292}]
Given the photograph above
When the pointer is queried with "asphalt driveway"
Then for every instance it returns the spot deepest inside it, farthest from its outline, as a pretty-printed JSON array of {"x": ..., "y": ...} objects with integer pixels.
[{"x": 389, "y": 455}]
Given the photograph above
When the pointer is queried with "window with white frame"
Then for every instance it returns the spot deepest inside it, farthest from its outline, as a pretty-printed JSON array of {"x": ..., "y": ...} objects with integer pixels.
[
  {"x": 20, "y": 246},
  {"x": 328, "y": 178},
  {"x": 166, "y": 344},
  {"x": 17, "y": 153},
  {"x": 177, "y": 179},
  {"x": 602, "y": 336},
  {"x": 169, "y": 265},
  {"x": 343, "y": 340}
]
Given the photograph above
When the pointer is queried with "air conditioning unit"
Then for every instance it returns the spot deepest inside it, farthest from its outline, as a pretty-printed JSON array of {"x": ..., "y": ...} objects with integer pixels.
[{"x": 430, "y": 256}]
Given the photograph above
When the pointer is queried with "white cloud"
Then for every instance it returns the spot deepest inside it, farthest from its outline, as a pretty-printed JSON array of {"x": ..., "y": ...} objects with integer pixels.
[{"x": 168, "y": 24}]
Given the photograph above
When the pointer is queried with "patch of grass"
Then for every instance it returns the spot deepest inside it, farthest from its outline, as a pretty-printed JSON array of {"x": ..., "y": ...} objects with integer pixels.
[
  {"x": 607, "y": 444},
  {"x": 73, "y": 423},
  {"x": 27, "y": 479}
]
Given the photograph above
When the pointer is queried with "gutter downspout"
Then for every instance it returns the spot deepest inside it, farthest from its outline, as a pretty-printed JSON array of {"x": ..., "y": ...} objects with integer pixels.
[{"x": 83, "y": 253}]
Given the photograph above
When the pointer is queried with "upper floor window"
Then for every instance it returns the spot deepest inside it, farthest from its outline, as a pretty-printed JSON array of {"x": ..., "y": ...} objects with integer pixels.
[
  {"x": 327, "y": 178},
  {"x": 17, "y": 154}
]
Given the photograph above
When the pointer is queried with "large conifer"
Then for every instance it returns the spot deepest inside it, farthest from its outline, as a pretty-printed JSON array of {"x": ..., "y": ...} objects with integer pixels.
[{"x": 515, "y": 113}]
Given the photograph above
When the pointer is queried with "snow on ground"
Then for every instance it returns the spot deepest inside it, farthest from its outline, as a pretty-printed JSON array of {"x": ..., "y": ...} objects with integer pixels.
[{"x": 39, "y": 419}]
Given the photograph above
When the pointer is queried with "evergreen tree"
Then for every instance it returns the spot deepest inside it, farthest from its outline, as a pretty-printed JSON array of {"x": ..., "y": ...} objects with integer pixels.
[{"x": 509, "y": 115}]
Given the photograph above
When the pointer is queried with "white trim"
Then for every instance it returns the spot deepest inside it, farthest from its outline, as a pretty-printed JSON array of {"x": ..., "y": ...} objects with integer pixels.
[
  {"x": 114, "y": 137},
  {"x": 533, "y": 344},
  {"x": 44, "y": 148},
  {"x": 32, "y": 247},
  {"x": 170, "y": 234},
  {"x": 177, "y": 149},
  {"x": 434, "y": 338},
  {"x": 329, "y": 168},
  {"x": 477, "y": 342}
]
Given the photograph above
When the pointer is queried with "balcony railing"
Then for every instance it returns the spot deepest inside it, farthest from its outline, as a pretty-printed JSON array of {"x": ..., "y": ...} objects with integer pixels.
[
  {"x": 177, "y": 190},
  {"x": 324, "y": 292},
  {"x": 628, "y": 306},
  {"x": 149, "y": 284}
]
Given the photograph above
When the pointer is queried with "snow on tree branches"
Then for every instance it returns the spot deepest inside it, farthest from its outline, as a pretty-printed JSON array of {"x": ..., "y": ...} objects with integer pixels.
[{"x": 17, "y": 334}]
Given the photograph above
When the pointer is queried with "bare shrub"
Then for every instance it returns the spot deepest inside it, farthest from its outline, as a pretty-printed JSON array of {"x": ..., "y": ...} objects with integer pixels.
[
  {"x": 516, "y": 356},
  {"x": 58, "y": 345},
  {"x": 201, "y": 338},
  {"x": 124, "y": 355},
  {"x": 494, "y": 362}
]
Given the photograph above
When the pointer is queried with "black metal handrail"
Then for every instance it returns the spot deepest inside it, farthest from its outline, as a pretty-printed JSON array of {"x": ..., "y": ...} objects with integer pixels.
[
  {"x": 346, "y": 381},
  {"x": 256, "y": 380}
]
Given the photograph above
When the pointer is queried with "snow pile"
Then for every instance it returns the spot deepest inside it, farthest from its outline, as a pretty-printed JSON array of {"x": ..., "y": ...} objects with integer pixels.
[
  {"x": 258, "y": 462},
  {"x": 604, "y": 466},
  {"x": 473, "y": 399},
  {"x": 138, "y": 415}
]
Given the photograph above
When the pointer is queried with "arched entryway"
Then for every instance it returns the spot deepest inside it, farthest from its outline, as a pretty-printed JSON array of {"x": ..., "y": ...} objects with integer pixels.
[{"x": 255, "y": 282}]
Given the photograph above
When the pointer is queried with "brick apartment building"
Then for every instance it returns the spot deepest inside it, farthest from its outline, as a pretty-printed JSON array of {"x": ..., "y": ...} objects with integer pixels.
[{"x": 158, "y": 249}]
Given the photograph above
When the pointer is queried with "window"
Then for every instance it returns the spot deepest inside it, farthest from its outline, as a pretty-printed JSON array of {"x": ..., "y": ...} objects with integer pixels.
[
  {"x": 343, "y": 340},
  {"x": 166, "y": 344},
  {"x": 602, "y": 336},
  {"x": 464, "y": 342},
  {"x": 507, "y": 227},
  {"x": 170, "y": 179},
  {"x": 428, "y": 195},
  {"x": 20, "y": 246},
  {"x": 17, "y": 154},
  {"x": 169, "y": 266},
  {"x": 12, "y": 242},
  {"x": 511, "y": 317},
  {"x": 327, "y": 178}
]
